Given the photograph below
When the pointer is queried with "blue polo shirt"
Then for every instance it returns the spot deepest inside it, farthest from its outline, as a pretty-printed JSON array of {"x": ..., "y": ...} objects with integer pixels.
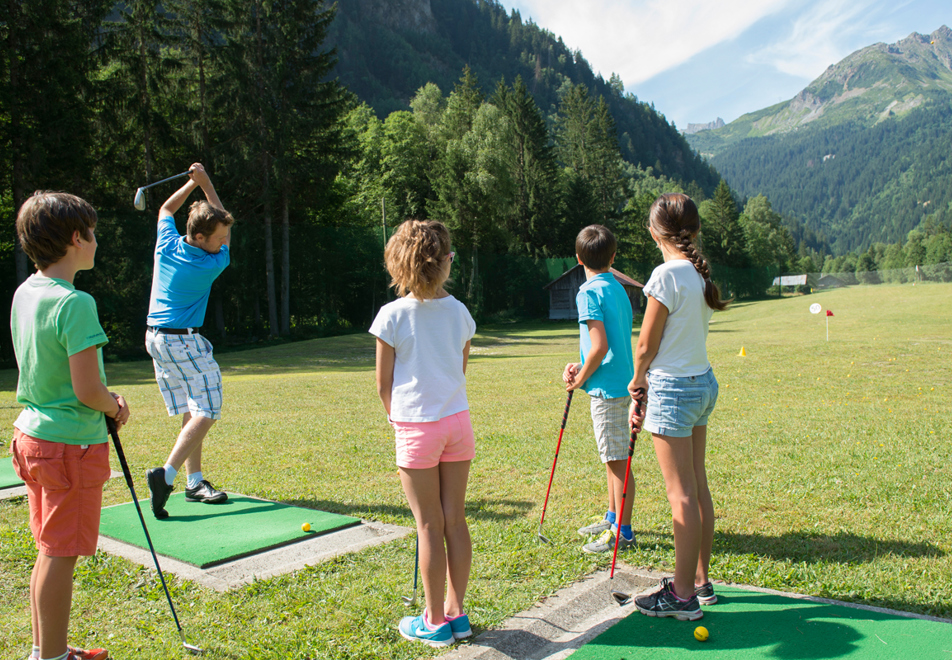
[
  {"x": 603, "y": 299},
  {"x": 181, "y": 279}
]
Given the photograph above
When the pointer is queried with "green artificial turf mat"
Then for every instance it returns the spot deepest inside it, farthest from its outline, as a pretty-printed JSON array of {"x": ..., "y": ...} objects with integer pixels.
[
  {"x": 749, "y": 625},
  {"x": 208, "y": 534},
  {"x": 8, "y": 478}
]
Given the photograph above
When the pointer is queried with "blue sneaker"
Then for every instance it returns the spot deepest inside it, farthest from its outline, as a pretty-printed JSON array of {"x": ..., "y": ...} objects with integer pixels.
[
  {"x": 460, "y": 627},
  {"x": 413, "y": 628}
]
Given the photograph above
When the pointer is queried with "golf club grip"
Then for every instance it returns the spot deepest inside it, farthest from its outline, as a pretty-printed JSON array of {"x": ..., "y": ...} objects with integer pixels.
[
  {"x": 113, "y": 431},
  {"x": 568, "y": 402}
]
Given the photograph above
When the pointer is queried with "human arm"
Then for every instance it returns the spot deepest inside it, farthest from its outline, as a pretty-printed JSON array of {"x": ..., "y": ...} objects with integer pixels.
[
  {"x": 197, "y": 178},
  {"x": 649, "y": 340},
  {"x": 89, "y": 389},
  {"x": 386, "y": 356},
  {"x": 465, "y": 356},
  {"x": 593, "y": 360}
]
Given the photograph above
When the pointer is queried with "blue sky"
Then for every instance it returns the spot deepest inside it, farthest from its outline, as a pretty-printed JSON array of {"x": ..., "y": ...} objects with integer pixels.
[{"x": 697, "y": 60}]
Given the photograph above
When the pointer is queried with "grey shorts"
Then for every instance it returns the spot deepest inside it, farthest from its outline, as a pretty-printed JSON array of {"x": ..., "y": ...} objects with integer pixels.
[{"x": 610, "y": 421}]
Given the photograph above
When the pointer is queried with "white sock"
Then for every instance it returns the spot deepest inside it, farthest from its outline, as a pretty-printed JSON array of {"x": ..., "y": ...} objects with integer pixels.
[
  {"x": 194, "y": 479},
  {"x": 36, "y": 652},
  {"x": 59, "y": 657},
  {"x": 170, "y": 473}
]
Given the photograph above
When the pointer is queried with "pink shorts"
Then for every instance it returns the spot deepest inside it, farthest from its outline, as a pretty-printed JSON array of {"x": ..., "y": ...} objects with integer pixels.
[
  {"x": 64, "y": 487},
  {"x": 422, "y": 445}
]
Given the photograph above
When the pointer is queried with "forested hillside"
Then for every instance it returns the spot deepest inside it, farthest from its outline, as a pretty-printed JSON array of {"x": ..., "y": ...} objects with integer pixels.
[
  {"x": 388, "y": 49},
  {"x": 861, "y": 155},
  {"x": 856, "y": 185}
]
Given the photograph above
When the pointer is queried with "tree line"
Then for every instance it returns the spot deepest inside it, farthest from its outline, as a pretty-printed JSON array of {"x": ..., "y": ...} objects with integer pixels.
[{"x": 98, "y": 98}]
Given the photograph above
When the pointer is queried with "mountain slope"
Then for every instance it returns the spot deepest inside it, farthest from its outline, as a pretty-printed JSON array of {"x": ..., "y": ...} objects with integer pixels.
[
  {"x": 388, "y": 49},
  {"x": 872, "y": 85}
]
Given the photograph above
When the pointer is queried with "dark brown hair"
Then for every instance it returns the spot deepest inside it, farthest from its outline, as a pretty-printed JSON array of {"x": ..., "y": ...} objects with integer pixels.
[
  {"x": 595, "y": 246},
  {"x": 203, "y": 218},
  {"x": 675, "y": 219},
  {"x": 46, "y": 222},
  {"x": 415, "y": 257}
]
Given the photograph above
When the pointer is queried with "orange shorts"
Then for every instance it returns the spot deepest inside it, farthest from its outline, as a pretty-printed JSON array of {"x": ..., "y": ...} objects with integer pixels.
[
  {"x": 64, "y": 487},
  {"x": 422, "y": 445}
]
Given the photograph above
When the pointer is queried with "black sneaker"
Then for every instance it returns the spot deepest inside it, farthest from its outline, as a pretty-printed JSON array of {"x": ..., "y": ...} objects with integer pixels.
[
  {"x": 705, "y": 594},
  {"x": 663, "y": 603},
  {"x": 159, "y": 492},
  {"x": 205, "y": 492}
]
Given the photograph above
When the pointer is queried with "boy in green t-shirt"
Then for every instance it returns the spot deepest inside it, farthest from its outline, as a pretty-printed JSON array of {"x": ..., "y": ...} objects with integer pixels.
[{"x": 59, "y": 445}]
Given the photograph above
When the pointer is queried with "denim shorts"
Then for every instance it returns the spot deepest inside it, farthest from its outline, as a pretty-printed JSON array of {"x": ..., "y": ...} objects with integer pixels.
[{"x": 677, "y": 404}]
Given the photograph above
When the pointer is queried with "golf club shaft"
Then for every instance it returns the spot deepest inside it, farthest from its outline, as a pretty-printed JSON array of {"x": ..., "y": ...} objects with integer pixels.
[
  {"x": 111, "y": 425},
  {"x": 565, "y": 416},
  {"x": 624, "y": 490},
  {"x": 416, "y": 565},
  {"x": 177, "y": 176}
]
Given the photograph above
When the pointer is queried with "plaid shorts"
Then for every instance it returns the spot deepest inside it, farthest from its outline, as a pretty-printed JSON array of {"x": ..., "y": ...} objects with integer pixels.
[
  {"x": 610, "y": 421},
  {"x": 187, "y": 374}
]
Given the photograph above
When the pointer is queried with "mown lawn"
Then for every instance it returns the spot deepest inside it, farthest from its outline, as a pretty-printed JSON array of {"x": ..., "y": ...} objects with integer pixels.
[{"x": 829, "y": 462}]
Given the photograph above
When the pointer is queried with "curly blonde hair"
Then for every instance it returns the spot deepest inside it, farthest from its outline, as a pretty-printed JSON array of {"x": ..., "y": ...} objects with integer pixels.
[{"x": 414, "y": 257}]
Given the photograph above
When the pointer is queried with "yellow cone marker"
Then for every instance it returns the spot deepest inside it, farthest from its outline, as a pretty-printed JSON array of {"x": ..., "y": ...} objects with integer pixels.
[{"x": 742, "y": 353}]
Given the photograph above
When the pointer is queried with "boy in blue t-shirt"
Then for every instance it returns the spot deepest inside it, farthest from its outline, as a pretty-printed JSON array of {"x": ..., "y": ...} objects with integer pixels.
[
  {"x": 59, "y": 446},
  {"x": 185, "y": 367},
  {"x": 607, "y": 366}
]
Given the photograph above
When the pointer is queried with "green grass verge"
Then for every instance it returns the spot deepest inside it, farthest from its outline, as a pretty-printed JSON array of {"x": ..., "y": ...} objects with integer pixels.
[{"x": 829, "y": 463}]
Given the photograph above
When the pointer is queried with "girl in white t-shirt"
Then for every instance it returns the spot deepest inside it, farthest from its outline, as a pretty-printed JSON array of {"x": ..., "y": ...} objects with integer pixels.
[
  {"x": 422, "y": 348},
  {"x": 671, "y": 364}
]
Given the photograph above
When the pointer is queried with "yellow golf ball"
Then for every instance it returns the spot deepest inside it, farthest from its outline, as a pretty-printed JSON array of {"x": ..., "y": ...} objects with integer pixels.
[
  {"x": 307, "y": 527},
  {"x": 701, "y": 634}
]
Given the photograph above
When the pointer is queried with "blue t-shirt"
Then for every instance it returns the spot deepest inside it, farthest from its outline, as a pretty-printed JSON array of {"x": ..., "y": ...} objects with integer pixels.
[
  {"x": 182, "y": 279},
  {"x": 603, "y": 299}
]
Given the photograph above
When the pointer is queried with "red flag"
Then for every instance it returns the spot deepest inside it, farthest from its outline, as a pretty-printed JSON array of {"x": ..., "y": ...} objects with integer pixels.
[{"x": 829, "y": 313}]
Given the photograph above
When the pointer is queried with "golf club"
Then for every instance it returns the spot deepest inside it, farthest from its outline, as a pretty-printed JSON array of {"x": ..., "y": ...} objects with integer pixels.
[
  {"x": 411, "y": 602},
  {"x": 620, "y": 597},
  {"x": 565, "y": 416},
  {"x": 111, "y": 425},
  {"x": 140, "y": 195}
]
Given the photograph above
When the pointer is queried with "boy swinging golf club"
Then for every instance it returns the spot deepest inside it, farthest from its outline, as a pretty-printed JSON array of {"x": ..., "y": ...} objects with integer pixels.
[{"x": 185, "y": 369}]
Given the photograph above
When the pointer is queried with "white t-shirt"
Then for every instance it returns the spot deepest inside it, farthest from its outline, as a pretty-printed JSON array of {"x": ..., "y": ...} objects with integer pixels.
[
  {"x": 428, "y": 337},
  {"x": 678, "y": 286}
]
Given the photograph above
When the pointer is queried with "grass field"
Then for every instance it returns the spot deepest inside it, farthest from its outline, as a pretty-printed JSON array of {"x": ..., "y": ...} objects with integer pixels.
[{"x": 829, "y": 464}]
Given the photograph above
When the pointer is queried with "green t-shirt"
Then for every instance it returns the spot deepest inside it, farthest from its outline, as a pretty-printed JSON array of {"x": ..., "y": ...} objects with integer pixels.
[{"x": 50, "y": 321}]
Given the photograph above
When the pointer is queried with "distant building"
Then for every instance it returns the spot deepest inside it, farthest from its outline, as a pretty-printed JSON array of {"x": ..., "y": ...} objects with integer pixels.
[
  {"x": 563, "y": 289},
  {"x": 829, "y": 282}
]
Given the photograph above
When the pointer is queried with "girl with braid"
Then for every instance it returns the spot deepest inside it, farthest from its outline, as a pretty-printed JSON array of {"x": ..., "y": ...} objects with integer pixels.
[
  {"x": 671, "y": 363},
  {"x": 423, "y": 342}
]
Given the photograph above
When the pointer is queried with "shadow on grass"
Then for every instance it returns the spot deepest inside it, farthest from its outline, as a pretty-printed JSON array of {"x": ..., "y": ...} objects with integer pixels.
[
  {"x": 481, "y": 509},
  {"x": 843, "y": 547}
]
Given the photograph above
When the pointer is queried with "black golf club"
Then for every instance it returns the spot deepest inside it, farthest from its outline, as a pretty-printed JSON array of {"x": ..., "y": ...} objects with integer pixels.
[
  {"x": 139, "y": 202},
  {"x": 565, "y": 416},
  {"x": 411, "y": 602},
  {"x": 111, "y": 425},
  {"x": 620, "y": 597}
]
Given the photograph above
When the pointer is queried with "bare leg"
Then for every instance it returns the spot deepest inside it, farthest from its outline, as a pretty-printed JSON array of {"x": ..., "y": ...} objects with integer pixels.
[
  {"x": 616, "y": 487},
  {"x": 188, "y": 445},
  {"x": 459, "y": 546},
  {"x": 705, "y": 503},
  {"x": 611, "y": 492},
  {"x": 422, "y": 488},
  {"x": 676, "y": 458},
  {"x": 34, "y": 618},
  {"x": 53, "y": 584}
]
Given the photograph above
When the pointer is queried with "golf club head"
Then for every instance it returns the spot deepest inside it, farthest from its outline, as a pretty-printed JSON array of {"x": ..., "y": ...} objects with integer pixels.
[
  {"x": 621, "y": 598},
  {"x": 542, "y": 536},
  {"x": 194, "y": 650},
  {"x": 409, "y": 602},
  {"x": 140, "y": 200}
]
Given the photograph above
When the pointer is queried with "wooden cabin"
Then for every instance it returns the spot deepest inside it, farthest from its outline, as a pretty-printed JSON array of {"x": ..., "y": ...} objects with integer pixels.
[{"x": 563, "y": 290}]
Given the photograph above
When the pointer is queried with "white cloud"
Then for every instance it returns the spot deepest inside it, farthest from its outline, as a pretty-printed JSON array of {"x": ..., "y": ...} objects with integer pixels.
[
  {"x": 819, "y": 37},
  {"x": 639, "y": 39}
]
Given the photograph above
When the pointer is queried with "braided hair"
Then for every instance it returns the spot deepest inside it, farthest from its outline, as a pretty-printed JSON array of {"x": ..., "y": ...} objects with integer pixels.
[
  {"x": 415, "y": 257},
  {"x": 674, "y": 217}
]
